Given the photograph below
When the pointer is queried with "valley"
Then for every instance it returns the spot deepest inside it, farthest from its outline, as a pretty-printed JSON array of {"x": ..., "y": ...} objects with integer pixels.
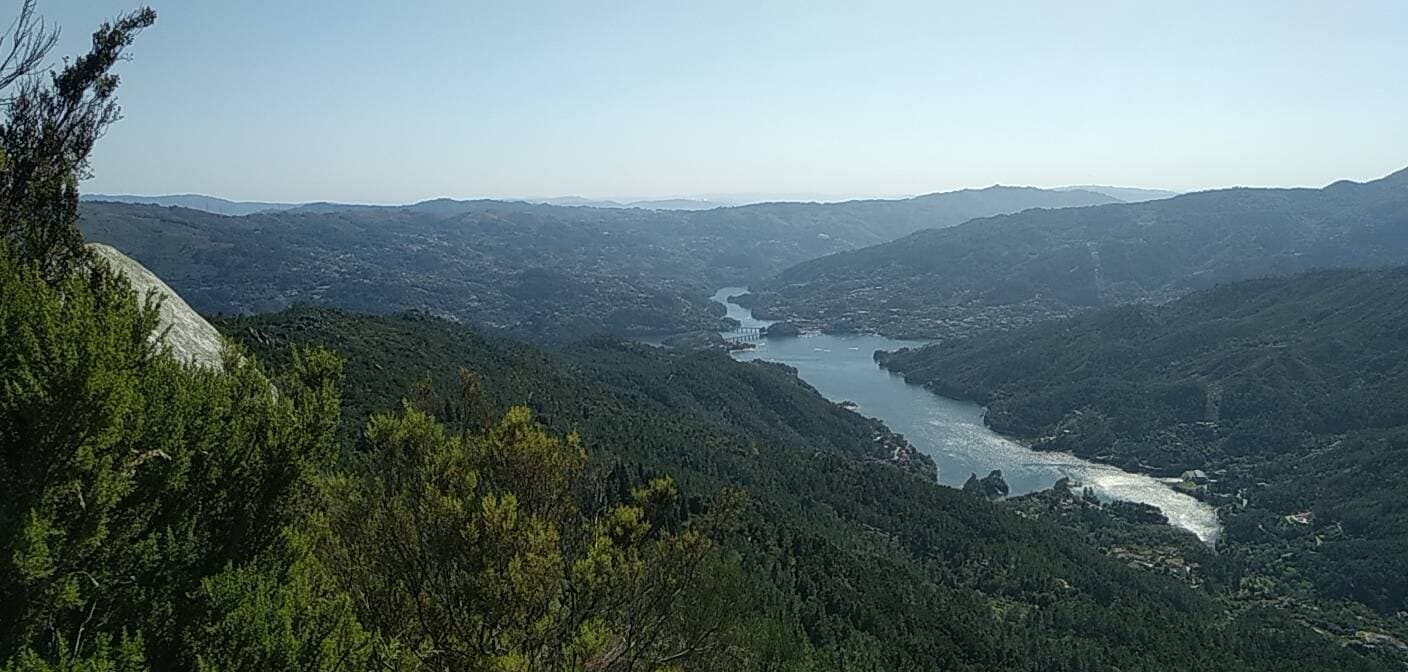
[
  {"x": 543, "y": 273},
  {"x": 953, "y": 433},
  {"x": 1284, "y": 397},
  {"x": 666, "y": 422},
  {"x": 578, "y": 280},
  {"x": 534, "y": 301}
]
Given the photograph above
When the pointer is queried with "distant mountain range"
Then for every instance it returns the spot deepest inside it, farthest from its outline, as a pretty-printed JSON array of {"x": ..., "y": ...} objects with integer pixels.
[
  {"x": 201, "y": 202},
  {"x": 1126, "y": 194},
  {"x": 539, "y": 272},
  {"x": 660, "y": 204},
  {"x": 1010, "y": 270},
  {"x": 221, "y": 206}
]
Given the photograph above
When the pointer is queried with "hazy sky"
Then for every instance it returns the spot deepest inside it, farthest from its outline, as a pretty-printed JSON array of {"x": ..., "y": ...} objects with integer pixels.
[{"x": 382, "y": 101}]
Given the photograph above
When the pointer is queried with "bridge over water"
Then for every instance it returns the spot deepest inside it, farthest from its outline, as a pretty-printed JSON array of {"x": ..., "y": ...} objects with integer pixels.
[{"x": 742, "y": 334}]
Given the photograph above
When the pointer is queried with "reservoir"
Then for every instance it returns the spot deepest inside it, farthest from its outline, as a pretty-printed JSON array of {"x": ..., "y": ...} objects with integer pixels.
[{"x": 842, "y": 368}]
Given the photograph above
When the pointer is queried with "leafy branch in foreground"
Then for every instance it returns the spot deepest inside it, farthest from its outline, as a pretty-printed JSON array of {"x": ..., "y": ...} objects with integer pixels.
[
  {"x": 127, "y": 477},
  {"x": 48, "y": 133},
  {"x": 471, "y": 550}
]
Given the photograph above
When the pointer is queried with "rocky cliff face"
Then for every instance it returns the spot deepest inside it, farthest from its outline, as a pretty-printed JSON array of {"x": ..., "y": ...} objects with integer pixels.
[{"x": 189, "y": 336}]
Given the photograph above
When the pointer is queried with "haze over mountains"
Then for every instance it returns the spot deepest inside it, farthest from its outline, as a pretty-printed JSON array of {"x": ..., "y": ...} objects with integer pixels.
[
  {"x": 958, "y": 261},
  {"x": 648, "y": 204},
  {"x": 223, "y": 206},
  {"x": 1011, "y": 270},
  {"x": 1126, "y": 194},
  {"x": 200, "y": 202},
  {"x": 539, "y": 271}
]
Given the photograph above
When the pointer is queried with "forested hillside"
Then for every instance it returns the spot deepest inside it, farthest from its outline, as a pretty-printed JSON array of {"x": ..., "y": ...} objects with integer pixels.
[
  {"x": 865, "y": 564},
  {"x": 539, "y": 272},
  {"x": 387, "y": 357},
  {"x": 1007, "y": 271},
  {"x": 1291, "y": 394},
  {"x": 164, "y": 516}
]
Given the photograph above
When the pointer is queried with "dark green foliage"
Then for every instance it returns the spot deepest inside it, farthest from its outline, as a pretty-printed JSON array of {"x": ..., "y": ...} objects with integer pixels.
[
  {"x": 533, "y": 271},
  {"x": 567, "y": 389},
  {"x": 1355, "y": 544},
  {"x": 158, "y": 515},
  {"x": 1012, "y": 270},
  {"x": 782, "y": 330},
  {"x": 991, "y": 486},
  {"x": 853, "y": 564},
  {"x": 1248, "y": 369},
  {"x": 155, "y": 512},
  {"x": 126, "y": 478},
  {"x": 280, "y": 612},
  {"x": 1291, "y": 392},
  {"x": 471, "y": 552}
]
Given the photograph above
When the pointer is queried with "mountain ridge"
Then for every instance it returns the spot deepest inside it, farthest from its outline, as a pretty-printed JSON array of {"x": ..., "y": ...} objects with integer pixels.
[
  {"x": 213, "y": 204},
  {"x": 1009, "y": 270},
  {"x": 540, "y": 272}
]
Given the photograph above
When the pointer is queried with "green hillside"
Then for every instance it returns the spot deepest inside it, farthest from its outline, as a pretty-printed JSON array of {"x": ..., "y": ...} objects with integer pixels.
[
  {"x": 877, "y": 566},
  {"x": 1291, "y": 393}
]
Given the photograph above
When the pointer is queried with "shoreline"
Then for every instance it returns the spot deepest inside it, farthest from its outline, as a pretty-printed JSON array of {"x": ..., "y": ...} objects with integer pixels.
[
  {"x": 954, "y": 431},
  {"x": 1030, "y": 444}
]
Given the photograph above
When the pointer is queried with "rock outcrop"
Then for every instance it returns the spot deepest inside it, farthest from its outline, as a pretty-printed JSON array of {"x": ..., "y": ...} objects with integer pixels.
[
  {"x": 992, "y": 486},
  {"x": 190, "y": 337}
]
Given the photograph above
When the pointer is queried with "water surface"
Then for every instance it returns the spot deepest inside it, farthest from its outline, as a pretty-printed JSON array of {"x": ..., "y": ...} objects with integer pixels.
[{"x": 952, "y": 432}]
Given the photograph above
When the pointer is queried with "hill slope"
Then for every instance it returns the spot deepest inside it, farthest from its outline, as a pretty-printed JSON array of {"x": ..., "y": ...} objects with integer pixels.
[
  {"x": 504, "y": 267},
  {"x": 1010, "y": 270},
  {"x": 537, "y": 271},
  {"x": 1290, "y": 393},
  {"x": 879, "y": 568}
]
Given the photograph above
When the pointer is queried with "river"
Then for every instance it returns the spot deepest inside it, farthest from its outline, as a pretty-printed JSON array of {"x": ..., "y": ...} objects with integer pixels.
[{"x": 952, "y": 432}]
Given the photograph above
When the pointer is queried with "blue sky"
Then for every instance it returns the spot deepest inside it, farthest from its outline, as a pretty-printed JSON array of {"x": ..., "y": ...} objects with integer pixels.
[{"x": 399, "y": 101}]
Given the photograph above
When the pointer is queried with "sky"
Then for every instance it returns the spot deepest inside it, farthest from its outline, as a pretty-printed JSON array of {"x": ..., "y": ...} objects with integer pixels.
[{"x": 391, "y": 102}]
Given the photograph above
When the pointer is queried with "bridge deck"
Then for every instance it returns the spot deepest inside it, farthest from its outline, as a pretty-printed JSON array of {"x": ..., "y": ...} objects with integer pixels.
[{"x": 744, "y": 334}]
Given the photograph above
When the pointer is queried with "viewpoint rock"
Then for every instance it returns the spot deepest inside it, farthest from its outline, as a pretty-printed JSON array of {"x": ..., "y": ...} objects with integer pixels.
[{"x": 190, "y": 337}]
